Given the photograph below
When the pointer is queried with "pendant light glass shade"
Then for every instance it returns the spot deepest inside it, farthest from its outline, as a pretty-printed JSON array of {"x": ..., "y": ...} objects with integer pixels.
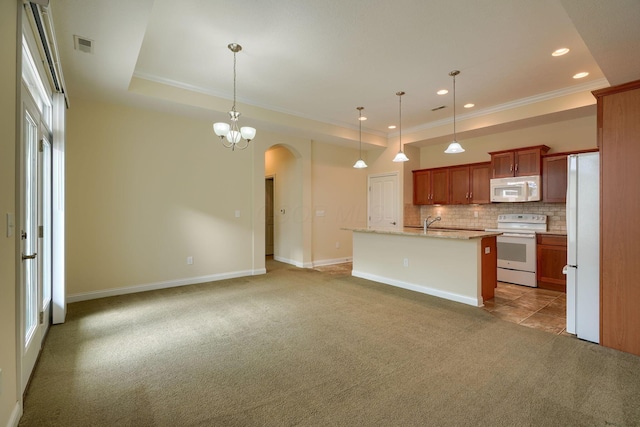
[
  {"x": 400, "y": 157},
  {"x": 360, "y": 164},
  {"x": 454, "y": 147}
]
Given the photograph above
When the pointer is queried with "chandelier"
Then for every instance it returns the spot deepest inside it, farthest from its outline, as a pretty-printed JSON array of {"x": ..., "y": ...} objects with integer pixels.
[
  {"x": 360, "y": 164},
  {"x": 400, "y": 157},
  {"x": 236, "y": 138},
  {"x": 454, "y": 147}
]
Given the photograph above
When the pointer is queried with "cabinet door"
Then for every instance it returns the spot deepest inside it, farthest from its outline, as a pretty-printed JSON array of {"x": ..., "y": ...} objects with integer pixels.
[
  {"x": 440, "y": 186},
  {"x": 502, "y": 164},
  {"x": 479, "y": 185},
  {"x": 421, "y": 187},
  {"x": 554, "y": 179},
  {"x": 527, "y": 162},
  {"x": 551, "y": 259},
  {"x": 459, "y": 180}
]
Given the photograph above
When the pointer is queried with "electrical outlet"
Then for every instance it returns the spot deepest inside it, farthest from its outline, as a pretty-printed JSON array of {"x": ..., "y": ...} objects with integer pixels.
[
  {"x": 337, "y": 245},
  {"x": 406, "y": 262},
  {"x": 189, "y": 260},
  {"x": 475, "y": 214}
]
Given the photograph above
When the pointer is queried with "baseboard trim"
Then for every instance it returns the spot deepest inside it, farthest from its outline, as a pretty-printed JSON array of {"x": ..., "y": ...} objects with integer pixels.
[
  {"x": 162, "y": 285},
  {"x": 334, "y": 261},
  {"x": 16, "y": 414},
  {"x": 289, "y": 261},
  {"x": 419, "y": 288}
]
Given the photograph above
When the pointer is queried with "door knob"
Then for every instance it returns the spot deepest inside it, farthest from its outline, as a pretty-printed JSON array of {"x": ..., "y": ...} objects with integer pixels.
[
  {"x": 393, "y": 223},
  {"x": 29, "y": 256}
]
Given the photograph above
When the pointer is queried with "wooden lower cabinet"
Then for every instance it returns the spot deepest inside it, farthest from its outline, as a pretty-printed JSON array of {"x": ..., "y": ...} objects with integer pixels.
[{"x": 551, "y": 259}]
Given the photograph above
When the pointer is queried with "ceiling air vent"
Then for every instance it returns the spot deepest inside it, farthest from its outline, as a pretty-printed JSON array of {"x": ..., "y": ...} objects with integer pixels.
[
  {"x": 438, "y": 108},
  {"x": 83, "y": 44}
]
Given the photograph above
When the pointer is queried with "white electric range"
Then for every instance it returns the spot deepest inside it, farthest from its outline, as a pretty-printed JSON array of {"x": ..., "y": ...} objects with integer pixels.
[{"x": 517, "y": 247}]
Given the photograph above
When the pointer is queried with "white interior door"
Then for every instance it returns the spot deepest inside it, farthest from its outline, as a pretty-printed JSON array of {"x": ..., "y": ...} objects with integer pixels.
[
  {"x": 383, "y": 201},
  {"x": 35, "y": 221}
]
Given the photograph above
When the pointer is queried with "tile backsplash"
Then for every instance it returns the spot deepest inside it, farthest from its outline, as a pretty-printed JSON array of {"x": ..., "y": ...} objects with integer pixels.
[{"x": 463, "y": 216}]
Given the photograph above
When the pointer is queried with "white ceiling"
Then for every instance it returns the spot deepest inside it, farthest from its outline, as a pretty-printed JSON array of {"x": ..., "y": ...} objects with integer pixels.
[{"x": 307, "y": 64}]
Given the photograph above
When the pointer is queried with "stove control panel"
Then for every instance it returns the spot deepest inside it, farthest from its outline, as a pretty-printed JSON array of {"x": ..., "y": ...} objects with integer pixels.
[{"x": 523, "y": 218}]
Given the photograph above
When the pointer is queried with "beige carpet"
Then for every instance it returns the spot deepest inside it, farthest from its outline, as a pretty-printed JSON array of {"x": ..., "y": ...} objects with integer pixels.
[{"x": 299, "y": 347}]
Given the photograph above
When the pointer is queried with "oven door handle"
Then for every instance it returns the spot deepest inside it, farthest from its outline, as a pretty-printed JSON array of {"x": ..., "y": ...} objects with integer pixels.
[{"x": 524, "y": 235}]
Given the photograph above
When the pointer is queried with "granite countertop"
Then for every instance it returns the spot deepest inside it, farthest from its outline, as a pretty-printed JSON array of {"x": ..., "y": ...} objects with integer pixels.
[{"x": 440, "y": 233}]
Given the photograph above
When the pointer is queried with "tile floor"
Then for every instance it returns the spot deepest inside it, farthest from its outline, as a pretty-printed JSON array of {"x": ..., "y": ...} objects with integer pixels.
[{"x": 531, "y": 307}]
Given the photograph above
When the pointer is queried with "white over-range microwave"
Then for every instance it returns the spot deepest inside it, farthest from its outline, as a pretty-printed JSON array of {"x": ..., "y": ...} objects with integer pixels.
[{"x": 516, "y": 189}]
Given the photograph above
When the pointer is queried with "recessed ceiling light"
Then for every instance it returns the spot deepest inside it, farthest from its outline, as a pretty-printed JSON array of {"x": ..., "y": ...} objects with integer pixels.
[
  {"x": 581, "y": 75},
  {"x": 469, "y": 105},
  {"x": 442, "y": 92},
  {"x": 560, "y": 52},
  {"x": 392, "y": 127}
]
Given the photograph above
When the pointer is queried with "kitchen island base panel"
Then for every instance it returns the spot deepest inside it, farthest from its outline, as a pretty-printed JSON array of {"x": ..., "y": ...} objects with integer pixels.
[
  {"x": 442, "y": 267},
  {"x": 419, "y": 288}
]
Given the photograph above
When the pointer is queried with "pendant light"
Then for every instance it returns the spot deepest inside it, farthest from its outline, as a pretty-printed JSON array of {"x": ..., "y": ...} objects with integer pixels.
[
  {"x": 400, "y": 157},
  {"x": 236, "y": 138},
  {"x": 360, "y": 164},
  {"x": 454, "y": 147}
]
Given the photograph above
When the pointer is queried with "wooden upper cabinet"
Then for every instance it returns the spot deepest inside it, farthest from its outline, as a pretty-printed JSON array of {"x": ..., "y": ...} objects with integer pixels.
[
  {"x": 519, "y": 162},
  {"x": 421, "y": 187},
  {"x": 440, "y": 186},
  {"x": 469, "y": 184},
  {"x": 502, "y": 164},
  {"x": 431, "y": 186},
  {"x": 480, "y": 191},
  {"x": 459, "y": 188},
  {"x": 554, "y": 179}
]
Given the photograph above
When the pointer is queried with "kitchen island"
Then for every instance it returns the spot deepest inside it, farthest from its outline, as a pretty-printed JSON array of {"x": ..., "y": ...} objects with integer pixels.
[{"x": 458, "y": 265}]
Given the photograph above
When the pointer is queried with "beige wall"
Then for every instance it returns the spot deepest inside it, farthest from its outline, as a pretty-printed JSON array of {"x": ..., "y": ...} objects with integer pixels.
[
  {"x": 339, "y": 200},
  {"x": 8, "y": 326},
  {"x": 145, "y": 190},
  {"x": 567, "y": 135}
]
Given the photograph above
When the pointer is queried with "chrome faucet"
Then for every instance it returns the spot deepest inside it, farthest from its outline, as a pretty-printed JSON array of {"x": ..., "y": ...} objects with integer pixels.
[{"x": 427, "y": 223}]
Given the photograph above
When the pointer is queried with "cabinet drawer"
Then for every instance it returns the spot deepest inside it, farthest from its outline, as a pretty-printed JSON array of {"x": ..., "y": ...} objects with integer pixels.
[{"x": 552, "y": 240}]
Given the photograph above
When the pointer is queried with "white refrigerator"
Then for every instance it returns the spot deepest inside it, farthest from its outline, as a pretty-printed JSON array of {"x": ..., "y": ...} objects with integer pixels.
[{"x": 583, "y": 246}]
